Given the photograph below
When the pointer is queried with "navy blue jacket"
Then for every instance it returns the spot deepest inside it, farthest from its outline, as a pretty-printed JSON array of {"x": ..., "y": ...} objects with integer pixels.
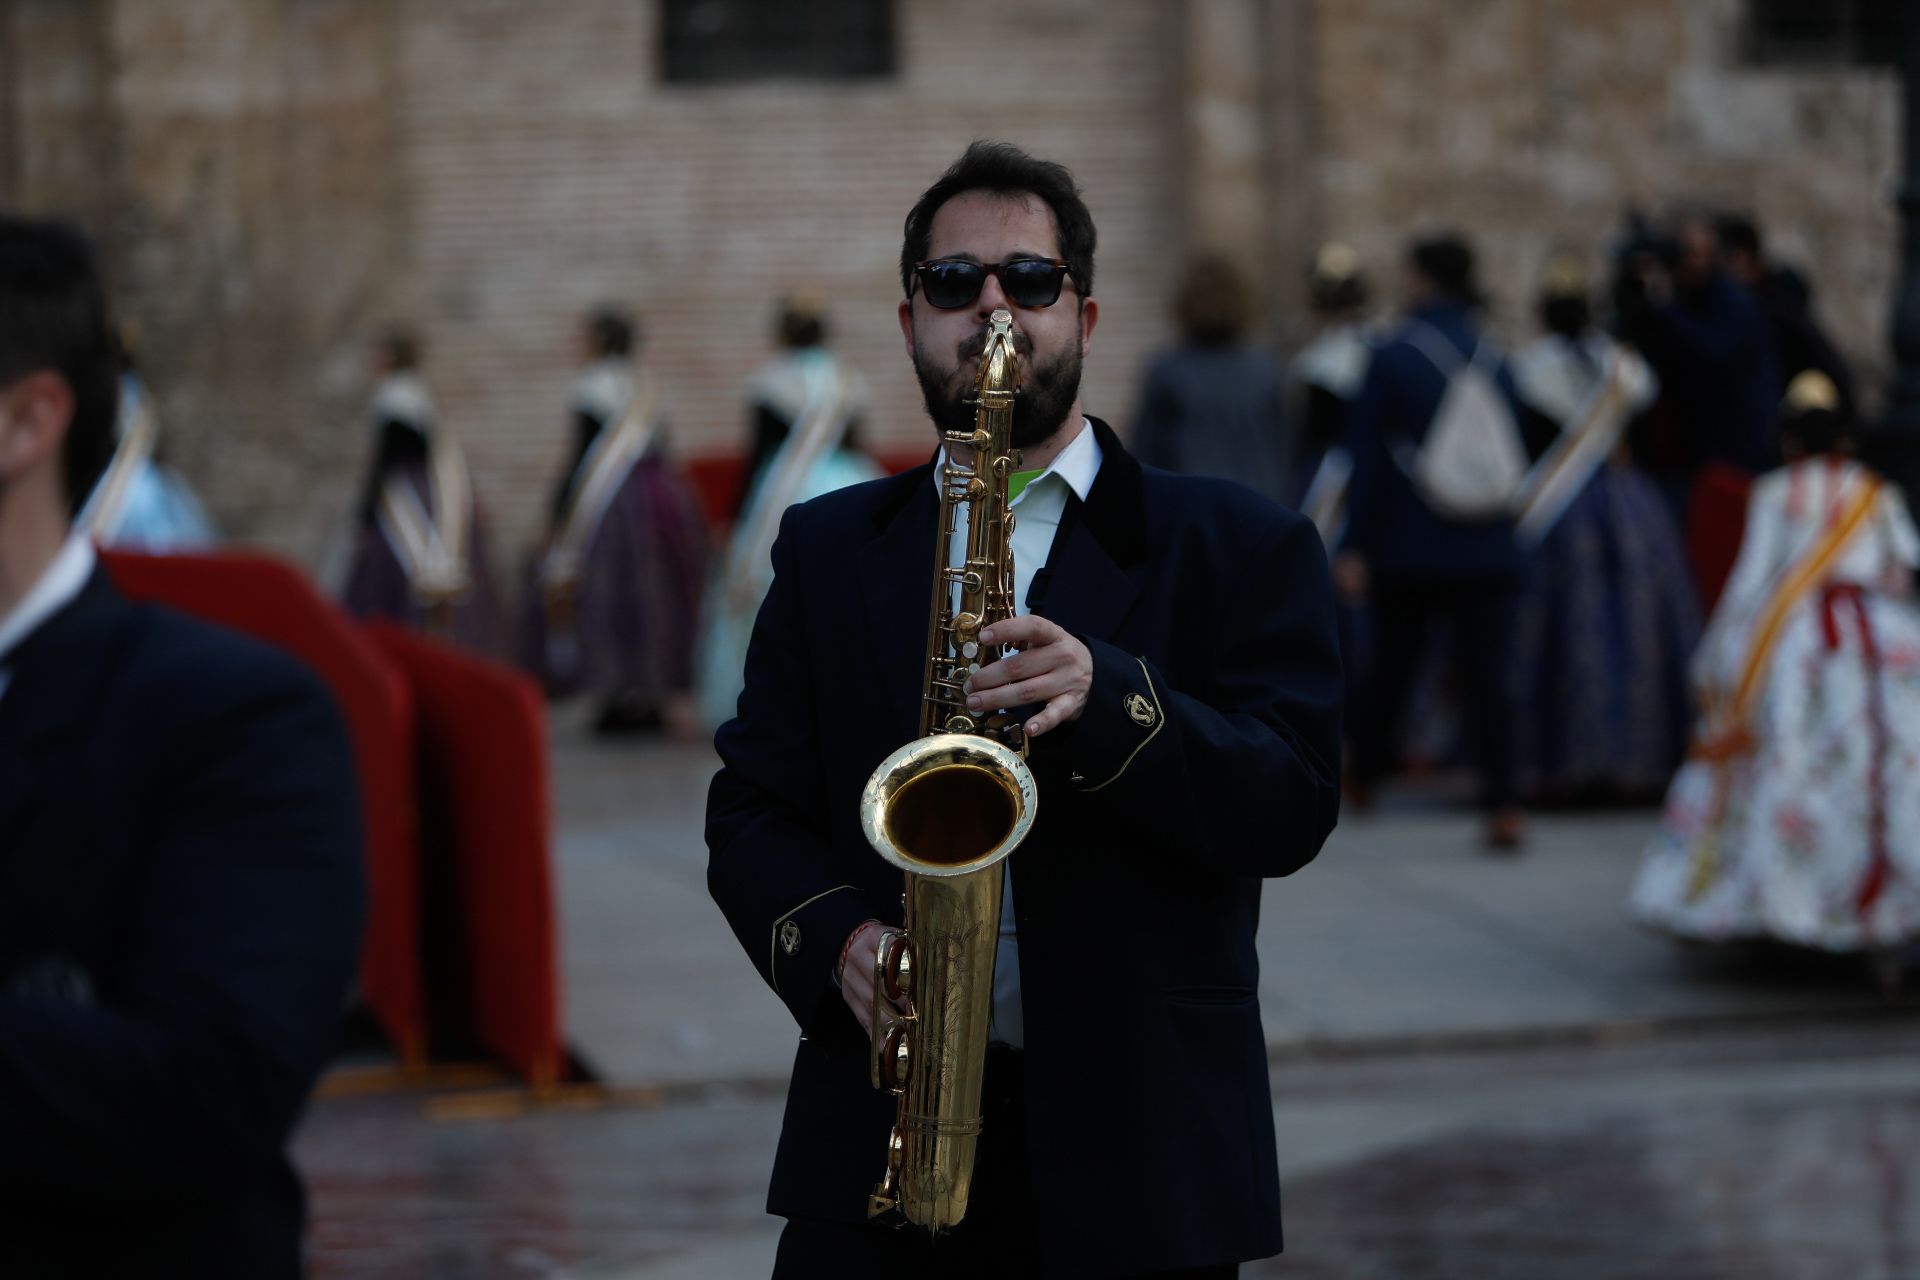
[
  {"x": 1388, "y": 522},
  {"x": 180, "y": 903},
  {"x": 1718, "y": 372},
  {"x": 1206, "y": 759}
]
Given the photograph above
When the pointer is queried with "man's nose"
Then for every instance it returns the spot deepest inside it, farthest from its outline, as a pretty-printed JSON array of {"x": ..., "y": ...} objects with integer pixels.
[{"x": 992, "y": 297}]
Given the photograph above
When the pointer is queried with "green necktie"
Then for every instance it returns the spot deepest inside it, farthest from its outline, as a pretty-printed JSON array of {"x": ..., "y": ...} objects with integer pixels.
[{"x": 1019, "y": 480}]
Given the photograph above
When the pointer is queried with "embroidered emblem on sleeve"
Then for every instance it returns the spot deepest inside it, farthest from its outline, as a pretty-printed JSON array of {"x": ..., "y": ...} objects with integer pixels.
[
  {"x": 1140, "y": 710},
  {"x": 790, "y": 938}
]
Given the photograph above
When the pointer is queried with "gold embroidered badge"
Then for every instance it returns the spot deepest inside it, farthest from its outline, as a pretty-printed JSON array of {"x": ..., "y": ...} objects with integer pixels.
[
  {"x": 1141, "y": 710},
  {"x": 790, "y": 937}
]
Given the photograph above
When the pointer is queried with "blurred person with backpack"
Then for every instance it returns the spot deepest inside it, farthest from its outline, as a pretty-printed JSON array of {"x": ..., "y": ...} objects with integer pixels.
[{"x": 1437, "y": 460}]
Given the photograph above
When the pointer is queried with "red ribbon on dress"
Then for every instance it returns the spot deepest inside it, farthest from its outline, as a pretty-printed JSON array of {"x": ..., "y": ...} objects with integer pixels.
[{"x": 1850, "y": 595}]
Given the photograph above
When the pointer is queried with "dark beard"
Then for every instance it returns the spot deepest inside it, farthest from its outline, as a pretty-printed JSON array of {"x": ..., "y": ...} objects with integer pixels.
[{"x": 1047, "y": 392}]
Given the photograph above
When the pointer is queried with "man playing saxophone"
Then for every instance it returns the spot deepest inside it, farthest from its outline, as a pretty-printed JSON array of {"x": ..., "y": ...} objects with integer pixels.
[{"x": 1178, "y": 683}]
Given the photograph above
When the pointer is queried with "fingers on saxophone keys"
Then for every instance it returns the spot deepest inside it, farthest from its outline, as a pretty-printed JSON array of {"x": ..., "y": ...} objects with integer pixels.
[
  {"x": 1039, "y": 689},
  {"x": 1004, "y": 672}
]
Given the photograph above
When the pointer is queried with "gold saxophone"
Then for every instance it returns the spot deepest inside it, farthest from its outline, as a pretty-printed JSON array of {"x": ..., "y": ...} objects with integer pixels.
[{"x": 947, "y": 809}]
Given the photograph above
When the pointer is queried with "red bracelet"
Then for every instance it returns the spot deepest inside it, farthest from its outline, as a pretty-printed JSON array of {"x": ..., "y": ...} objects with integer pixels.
[{"x": 840, "y": 969}]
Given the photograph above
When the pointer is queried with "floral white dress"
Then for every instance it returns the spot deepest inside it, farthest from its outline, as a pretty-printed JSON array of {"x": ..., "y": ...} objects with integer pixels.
[{"x": 1796, "y": 816}]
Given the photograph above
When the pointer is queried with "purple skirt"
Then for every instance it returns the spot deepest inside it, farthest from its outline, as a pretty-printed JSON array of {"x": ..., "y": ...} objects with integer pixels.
[
  {"x": 377, "y": 587},
  {"x": 636, "y": 608}
]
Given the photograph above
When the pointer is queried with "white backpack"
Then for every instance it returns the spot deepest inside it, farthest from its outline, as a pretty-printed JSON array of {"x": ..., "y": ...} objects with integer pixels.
[{"x": 1471, "y": 463}]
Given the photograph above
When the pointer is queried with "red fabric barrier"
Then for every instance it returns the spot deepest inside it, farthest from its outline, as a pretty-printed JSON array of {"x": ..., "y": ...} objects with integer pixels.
[
  {"x": 492, "y": 937},
  {"x": 1716, "y": 523},
  {"x": 272, "y": 601}
]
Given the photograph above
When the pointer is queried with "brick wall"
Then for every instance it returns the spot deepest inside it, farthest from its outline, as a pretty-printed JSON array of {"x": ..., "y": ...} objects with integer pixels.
[
  {"x": 1533, "y": 123},
  {"x": 550, "y": 169},
  {"x": 235, "y": 159},
  {"x": 274, "y": 180}
]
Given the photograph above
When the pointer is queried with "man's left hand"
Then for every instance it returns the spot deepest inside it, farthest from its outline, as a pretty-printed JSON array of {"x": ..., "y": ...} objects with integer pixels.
[{"x": 1052, "y": 667}]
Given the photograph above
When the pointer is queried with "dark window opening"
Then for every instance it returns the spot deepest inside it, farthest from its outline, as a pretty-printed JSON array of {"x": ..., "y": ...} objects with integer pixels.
[
  {"x": 708, "y": 40},
  {"x": 1801, "y": 33}
]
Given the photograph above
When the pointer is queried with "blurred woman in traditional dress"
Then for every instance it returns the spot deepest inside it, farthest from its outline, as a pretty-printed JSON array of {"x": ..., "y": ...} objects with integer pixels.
[
  {"x": 808, "y": 406},
  {"x": 614, "y": 602},
  {"x": 1327, "y": 375},
  {"x": 1795, "y": 817},
  {"x": 140, "y": 504},
  {"x": 1609, "y": 618},
  {"x": 420, "y": 555}
]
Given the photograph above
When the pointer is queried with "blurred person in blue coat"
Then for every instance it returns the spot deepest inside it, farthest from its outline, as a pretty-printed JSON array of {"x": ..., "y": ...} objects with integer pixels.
[{"x": 1438, "y": 403}]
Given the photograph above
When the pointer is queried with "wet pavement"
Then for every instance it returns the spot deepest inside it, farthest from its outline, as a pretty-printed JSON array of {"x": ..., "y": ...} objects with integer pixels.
[
  {"x": 1480, "y": 1070},
  {"x": 1762, "y": 1154}
]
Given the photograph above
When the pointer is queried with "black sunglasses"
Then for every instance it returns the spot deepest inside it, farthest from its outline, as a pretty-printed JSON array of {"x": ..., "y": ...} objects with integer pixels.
[{"x": 952, "y": 283}]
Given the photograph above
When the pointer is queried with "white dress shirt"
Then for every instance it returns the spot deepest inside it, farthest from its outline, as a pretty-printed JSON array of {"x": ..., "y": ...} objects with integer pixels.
[
  {"x": 56, "y": 587},
  {"x": 1037, "y": 512}
]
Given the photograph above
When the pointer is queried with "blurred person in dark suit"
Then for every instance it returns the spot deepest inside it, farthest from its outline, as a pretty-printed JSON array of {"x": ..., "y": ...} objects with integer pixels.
[
  {"x": 1214, "y": 406},
  {"x": 1417, "y": 551},
  {"x": 180, "y": 860},
  {"x": 1785, "y": 299},
  {"x": 1709, "y": 346},
  {"x": 1712, "y": 429}
]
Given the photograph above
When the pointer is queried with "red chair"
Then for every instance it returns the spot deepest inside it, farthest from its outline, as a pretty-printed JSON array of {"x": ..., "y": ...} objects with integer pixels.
[
  {"x": 272, "y": 601},
  {"x": 486, "y": 814}
]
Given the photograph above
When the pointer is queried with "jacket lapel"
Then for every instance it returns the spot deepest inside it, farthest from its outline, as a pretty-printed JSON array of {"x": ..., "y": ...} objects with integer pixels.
[
  {"x": 895, "y": 570},
  {"x": 1098, "y": 564},
  {"x": 47, "y": 698}
]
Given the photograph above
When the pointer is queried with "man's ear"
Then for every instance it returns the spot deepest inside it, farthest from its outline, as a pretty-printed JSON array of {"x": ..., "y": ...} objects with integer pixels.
[
  {"x": 35, "y": 412},
  {"x": 1089, "y": 317},
  {"x": 906, "y": 324}
]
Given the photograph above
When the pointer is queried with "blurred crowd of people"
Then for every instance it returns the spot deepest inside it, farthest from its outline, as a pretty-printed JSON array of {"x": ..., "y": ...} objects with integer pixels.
[
  {"x": 1535, "y": 547},
  {"x": 1632, "y": 556}
]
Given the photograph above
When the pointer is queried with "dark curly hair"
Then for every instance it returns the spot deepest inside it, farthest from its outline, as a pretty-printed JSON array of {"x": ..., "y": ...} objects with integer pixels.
[{"x": 1004, "y": 169}]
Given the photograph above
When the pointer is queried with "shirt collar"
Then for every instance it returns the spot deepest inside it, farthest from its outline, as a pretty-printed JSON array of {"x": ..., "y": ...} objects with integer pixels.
[
  {"x": 1077, "y": 464},
  {"x": 58, "y": 584}
]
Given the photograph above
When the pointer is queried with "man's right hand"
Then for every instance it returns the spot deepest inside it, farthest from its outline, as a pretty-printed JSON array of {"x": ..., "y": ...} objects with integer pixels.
[{"x": 857, "y": 972}]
